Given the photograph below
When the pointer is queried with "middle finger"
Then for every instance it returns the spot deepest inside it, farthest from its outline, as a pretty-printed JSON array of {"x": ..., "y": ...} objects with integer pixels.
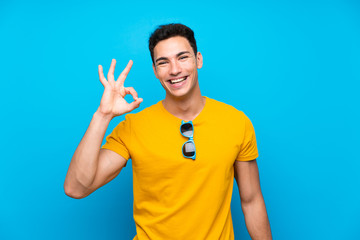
[{"x": 110, "y": 75}]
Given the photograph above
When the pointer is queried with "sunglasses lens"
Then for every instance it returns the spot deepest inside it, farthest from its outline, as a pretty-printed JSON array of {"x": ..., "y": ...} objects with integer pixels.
[
  {"x": 189, "y": 149},
  {"x": 187, "y": 129}
]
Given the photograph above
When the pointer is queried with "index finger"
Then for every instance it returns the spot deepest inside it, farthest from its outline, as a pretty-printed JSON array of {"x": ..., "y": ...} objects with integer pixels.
[
  {"x": 101, "y": 75},
  {"x": 124, "y": 73}
]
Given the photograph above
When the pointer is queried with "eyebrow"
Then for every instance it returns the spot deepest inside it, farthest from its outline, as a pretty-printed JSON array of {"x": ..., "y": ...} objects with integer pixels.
[{"x": 177, "y": 55}]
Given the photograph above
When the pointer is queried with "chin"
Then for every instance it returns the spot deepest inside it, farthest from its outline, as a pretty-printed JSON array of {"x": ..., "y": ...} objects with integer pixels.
[
  {"x": 177, "y": 95},
  {"x": 182, "y": 93}
]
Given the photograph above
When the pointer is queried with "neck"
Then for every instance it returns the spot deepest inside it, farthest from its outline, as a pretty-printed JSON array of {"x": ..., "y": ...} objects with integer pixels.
[{"x": 187, "y": 107}]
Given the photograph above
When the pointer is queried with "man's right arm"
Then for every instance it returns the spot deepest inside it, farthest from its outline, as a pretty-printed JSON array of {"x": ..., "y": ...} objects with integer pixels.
[{"x": 90, "y": 166}]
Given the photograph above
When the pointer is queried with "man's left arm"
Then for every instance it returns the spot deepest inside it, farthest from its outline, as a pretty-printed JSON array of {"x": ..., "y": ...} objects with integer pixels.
[{"x": 252, "y": 201}]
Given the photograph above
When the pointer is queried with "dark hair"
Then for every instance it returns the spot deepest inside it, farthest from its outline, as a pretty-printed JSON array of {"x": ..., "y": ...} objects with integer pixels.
[{"x": 171, "y": 30}]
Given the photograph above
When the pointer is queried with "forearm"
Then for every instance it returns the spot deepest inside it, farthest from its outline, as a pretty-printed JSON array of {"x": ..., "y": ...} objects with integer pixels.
[
  {"x": 256, "y": 218},
  {"x": 84, "y": 163}
]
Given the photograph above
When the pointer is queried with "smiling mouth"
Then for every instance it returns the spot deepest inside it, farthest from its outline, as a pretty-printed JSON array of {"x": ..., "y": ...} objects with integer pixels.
[{"x": 173, "y": 81}]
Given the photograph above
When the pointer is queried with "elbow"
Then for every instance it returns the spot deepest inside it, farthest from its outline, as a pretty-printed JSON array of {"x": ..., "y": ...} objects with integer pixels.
[
  {"x": 245, "y": 203},
  {"x": 74, "y": 188},
  {"x": 73, "y": 193},
  {"x": 251, "y": 201}
]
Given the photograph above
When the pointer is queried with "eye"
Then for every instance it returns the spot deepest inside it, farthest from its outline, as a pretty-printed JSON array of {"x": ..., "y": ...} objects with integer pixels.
[
  {"x": 183, "y": 57},
  {"x": 161, "y": 63}
]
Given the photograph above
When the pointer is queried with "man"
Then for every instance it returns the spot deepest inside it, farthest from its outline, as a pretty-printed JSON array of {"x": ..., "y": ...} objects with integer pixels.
[{"x": 185, "y": 150}]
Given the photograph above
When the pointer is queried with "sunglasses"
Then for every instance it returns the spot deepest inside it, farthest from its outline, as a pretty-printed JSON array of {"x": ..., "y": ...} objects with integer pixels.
[{"x": 188, "y": 148}]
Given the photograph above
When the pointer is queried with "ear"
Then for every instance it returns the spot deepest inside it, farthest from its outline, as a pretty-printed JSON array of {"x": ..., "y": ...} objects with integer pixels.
[
  {"x": 199, "y": 60},
  {"x": 154, "y": 68}
]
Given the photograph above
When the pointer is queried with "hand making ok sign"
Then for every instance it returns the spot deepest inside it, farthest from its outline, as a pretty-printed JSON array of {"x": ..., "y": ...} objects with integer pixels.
[{"x": 113, "y": 101}]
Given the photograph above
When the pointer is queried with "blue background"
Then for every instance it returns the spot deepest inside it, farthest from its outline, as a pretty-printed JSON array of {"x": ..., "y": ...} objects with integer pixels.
[{"x": 291, "y": 66}]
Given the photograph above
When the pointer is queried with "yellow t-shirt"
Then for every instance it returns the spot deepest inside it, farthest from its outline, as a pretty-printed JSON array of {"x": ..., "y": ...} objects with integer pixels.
[{"x": 177, "y": 197}]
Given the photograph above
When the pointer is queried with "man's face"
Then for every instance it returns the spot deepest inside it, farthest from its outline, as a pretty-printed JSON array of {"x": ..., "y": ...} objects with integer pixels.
[{"x": 176, "y": 66}]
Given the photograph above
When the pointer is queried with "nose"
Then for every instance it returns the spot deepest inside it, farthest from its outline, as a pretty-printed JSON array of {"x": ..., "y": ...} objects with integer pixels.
[{"x": 175, "y": 68}]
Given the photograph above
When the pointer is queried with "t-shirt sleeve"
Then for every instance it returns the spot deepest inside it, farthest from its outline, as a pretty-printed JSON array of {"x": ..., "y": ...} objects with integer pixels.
[
  {"x": 119, "y": 140},
  {"x": 248, "y": 147}
]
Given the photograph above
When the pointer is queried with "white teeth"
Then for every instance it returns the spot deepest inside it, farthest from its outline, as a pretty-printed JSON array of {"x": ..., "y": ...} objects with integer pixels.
[{"x": 177, "y": 80}]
